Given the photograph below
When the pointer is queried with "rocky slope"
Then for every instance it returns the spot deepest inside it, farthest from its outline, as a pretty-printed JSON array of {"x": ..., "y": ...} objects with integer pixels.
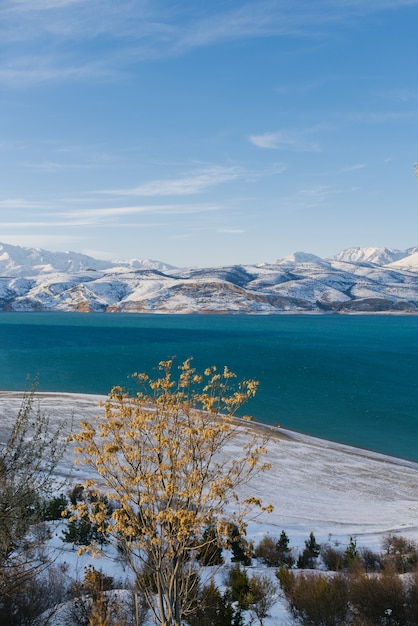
[{"x": 356, "y": 280}]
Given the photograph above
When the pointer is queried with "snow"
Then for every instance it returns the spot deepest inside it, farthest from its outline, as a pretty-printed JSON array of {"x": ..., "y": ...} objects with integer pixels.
[
  {"x": 357, "y": 279},
  {"x": 378, "y": 256},
  {"x": 333, "y": 490},
  {"x": 300, "y": 257},
  {"x": 409, "y": 263}
]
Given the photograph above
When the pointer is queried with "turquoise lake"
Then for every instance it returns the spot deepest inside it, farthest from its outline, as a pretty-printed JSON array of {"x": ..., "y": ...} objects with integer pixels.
[{"x": 352, "y": 379}]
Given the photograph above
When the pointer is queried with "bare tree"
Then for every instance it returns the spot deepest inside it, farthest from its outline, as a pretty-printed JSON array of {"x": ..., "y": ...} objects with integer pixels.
[{"x": 27, "y": 463}]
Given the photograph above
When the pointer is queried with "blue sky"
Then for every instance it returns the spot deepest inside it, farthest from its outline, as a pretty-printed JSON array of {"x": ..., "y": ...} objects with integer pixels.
[{"x": 208, "y": 133}]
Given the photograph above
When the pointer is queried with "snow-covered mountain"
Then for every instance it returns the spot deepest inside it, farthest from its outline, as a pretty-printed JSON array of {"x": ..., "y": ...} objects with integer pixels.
[
  {"x": 18, "y": 261},
  {"x": 377, "y": 256},
  {"x": 355, "y": 280}
]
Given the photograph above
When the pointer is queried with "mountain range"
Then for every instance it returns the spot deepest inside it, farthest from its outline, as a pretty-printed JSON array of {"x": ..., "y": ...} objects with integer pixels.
[{"x": 357, "y": 280}]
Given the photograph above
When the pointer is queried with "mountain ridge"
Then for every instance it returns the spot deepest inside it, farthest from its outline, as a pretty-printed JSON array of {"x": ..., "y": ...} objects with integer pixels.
[{"x": 356, "y": 280}]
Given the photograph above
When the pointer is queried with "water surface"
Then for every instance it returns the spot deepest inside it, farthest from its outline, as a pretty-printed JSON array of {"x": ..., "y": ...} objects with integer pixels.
[{"x": 351, "y": 379}]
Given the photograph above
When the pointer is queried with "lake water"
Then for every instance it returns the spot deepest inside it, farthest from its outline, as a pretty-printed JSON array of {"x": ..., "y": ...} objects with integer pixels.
[{"x": 352, "y": 379}]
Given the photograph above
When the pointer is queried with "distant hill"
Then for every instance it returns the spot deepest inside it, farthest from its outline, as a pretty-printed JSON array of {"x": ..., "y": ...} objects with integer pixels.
[{"x": 366, "y": 280}]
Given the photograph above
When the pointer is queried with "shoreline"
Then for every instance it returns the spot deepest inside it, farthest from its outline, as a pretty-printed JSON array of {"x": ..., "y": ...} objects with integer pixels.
[
  {"x": 315, "y": 485},
  {"x": 278, "y": 432}
]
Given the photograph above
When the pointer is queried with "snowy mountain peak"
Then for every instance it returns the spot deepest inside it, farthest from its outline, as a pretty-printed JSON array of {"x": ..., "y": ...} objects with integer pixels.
[
  {"x": 18, "y": 261},
  {"x": 145, "y": 264},
  {"x": 409, "y": 262},
  {"x": 377, "y": 256},
  {"x": 300, "y": 257}
]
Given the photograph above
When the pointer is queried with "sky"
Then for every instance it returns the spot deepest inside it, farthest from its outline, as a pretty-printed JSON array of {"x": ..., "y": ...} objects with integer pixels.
[{"x": 208, "y": 133}]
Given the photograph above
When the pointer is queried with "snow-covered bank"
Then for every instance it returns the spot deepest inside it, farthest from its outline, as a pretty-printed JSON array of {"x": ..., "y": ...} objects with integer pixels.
[{"x": 336, "y": 491}]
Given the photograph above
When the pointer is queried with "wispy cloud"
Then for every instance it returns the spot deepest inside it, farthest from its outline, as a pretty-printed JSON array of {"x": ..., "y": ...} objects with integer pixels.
[
  {"x": 281, "y": 140},
  {"x": 231, "y": 231},
  {"x": 318, "y": 191},
  {"x": 141, "y": 29},
  {"x": 35, "y": 69},
  {"x": 353, "y": 168},
  {"x": 400, "y": 94},
  {"x": 183, "y": 186},
  {"x": 21, "y": 203},
  {"x": 311, "y": 197},
  {"x": 152, "y": 209},
  {"x": 62, "y": 212}
]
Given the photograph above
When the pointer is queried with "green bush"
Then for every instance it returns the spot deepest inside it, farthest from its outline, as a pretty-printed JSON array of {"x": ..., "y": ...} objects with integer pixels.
[
  {"x": 54, "y": 508},
  {"x": 214, "y": 609},
  {"x": 80, "y": 532},
  {"x": 211, "y": 551},
  {"x": 307, "y": 558},
  {"x": 241, "y": 551},
  {"x": 236, "y": 579}
]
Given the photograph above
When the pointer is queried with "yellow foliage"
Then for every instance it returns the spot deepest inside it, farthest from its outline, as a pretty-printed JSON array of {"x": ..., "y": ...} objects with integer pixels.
[{"x": 160, "y": 455}]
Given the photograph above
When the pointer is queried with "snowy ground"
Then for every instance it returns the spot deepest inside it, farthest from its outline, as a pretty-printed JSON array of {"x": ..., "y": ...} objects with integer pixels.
[{"x": 333, "y": 490}]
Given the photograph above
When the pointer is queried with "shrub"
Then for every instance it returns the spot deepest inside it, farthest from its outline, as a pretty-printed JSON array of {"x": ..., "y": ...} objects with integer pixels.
[
  {"x": 378, "y": 599},
  {"x": 351, "y": 559},
  {"x": 332, "y": 557},
  {"x": 401, "y": 553},
  {"x": 275, "y": 552},
  {"x": 94, "y": 601},
  {"x": 33, "y": 596},
  {"x": 214, "y": 609},
  {"x": 54, "y": 508},
  {"x": 266, "y": 551},
  {"x": 371, "y": 561},
  {"x": 79, "y": 531},
  {"x": 241, "y": 549},
  {"x": 211, "y": 551},
  {"x": 76, "y": 494},
  {"x": 236, "y": 579},
  {"x": 315, "y": 599},
  {"x": 412, "y": 600},
  {"x": 309, "y": 555},
  {"x": 261, "y": 596},
  {"x": 355, "y": 598}
]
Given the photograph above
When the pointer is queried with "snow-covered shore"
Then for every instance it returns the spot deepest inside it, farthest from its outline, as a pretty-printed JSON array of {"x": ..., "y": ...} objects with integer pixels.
[{"x": 336, "y": 491}]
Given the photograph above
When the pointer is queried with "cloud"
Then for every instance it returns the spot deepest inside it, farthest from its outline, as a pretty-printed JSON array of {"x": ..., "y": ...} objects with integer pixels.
[
  {"x": 42, "y": 5},
  {"x": 137, "y": 30},
  {"x": 65, "y": 212},
  {"x": 184, "y": 186},
  {"x": 35, "y": 69},
  {"x": 400, "y": 94},
  {"x": 231, "y": 231},
  {"x": 353, "y": 168},
  {"x": 159, "y": 209},
  {"x": 21, "y": 203},
  {"x": 319, "y": 191},
  {"x": 284, "y": 141}
]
